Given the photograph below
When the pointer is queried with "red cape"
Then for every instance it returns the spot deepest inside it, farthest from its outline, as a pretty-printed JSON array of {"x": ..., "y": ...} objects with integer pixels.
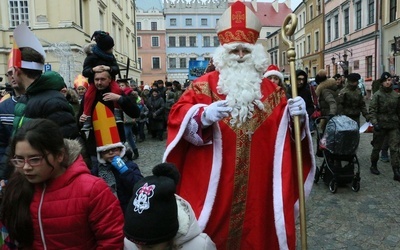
[{"x": 244, "y": 192}]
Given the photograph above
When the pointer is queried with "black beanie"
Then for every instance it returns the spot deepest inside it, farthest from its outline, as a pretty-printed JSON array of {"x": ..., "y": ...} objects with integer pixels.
[
  {"x": 104, "y": 41},
  {"x": 385, "y": 76},
  {"x": 152, "y": 213},
  {"x": 353, "y": 77}
]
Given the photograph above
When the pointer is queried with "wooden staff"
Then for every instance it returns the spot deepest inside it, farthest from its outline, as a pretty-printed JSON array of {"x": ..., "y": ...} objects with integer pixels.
[{"x": 288, "y": 28}]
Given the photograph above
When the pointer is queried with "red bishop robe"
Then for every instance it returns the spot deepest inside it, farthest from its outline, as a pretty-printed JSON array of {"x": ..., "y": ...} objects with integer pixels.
[{"x": 242, "y": 183}]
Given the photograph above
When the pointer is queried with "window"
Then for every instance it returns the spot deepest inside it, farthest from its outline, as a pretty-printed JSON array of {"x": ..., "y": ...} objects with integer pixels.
[
  {"x": 155, "y": 41},
  {"x": 346, "y": 22},
  {"x": 203, "y": 22},
  {"x": 193, "y": 59},
  {"x": 308, "y": 44},
  {"x": 284, "y": 58},
  {"x": 172, "y": 22},
  {"x": 272, "y": 57},
  {"x": 172, "y": 63},
  {"x": 171, "y": 41},
  {"x": 371, "y": 12},
  {"x": 19, "y": 13},
  {"x": 188, "y": 22},
  {"x": 139, "y": 41},
  {"x": 138, "y": 25},
  {"x": 182, "y": 41},
  {"x": 311, "y": 12},
  {"x": 336, "y": 18},
  {"x": 192, "y": 41},
  {"x": 368, "y": 60},
  {"x": 156, "y": 63},
  {"x": 316, "y": 41},
  {"x": 275, "y": 41},
  {"x": 216, "y": 41},
  {"x": 392, "y": 10},
  {"x": 140, "y": 63},
  {"x": 318, "y": 7},
  {"x": 328, "y": 30},
  {"x": 358, "y": 15},
  {"x": 153, "y": 25},
  {"x": 206, "y": 41},
  {"x": 182, "y": 63}
]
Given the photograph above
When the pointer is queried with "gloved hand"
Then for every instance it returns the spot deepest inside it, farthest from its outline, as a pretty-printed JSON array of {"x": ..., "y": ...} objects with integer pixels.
[
  {"x": 377, "y": 128},
  {"x": 119, "y": 164},
  {"x": 297, "y": 106},
  {"x": 216, "y": 111}
]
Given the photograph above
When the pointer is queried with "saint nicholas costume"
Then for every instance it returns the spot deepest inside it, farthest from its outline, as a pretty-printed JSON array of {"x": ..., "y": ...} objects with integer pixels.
[{"x": 240, "y": 181}]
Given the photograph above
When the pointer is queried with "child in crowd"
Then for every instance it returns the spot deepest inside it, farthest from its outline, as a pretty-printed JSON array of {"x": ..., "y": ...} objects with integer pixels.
[
  {"x": 99, "y": 58},
  {"x": 157, "y": 218},
  {"x": 51, "y": 201}
]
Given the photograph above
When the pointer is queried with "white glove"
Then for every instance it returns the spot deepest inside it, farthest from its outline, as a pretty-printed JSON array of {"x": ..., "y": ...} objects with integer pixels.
[
  {"x": 216, "y": 111},
  {"x": 297, "y": 106}
]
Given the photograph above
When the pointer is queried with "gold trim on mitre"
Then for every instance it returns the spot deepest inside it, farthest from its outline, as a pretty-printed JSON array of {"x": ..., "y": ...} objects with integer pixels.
[{"x": 238, "y": 24}]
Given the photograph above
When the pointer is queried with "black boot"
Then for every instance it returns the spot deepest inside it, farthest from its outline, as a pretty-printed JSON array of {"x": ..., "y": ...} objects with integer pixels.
[
  {"x": 135, "y": 154},
  {"x": 374, "y": 169},
  {"x": 396, "y": 173}
]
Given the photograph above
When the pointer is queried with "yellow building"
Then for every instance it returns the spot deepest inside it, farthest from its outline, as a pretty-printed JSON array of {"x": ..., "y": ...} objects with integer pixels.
[{"x": 64, "y": 27}]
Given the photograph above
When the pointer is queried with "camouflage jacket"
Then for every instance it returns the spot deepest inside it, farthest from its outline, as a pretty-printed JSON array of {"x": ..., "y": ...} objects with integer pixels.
[
  {"x": 351, "y": 103},
  {"x": 384, "y": 109}
]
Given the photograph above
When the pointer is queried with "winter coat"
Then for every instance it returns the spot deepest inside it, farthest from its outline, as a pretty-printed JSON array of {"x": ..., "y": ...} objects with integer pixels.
[
  {"x": 43, "y": 99},
  {"x": 327, "y": 94},
  {"x": 124, "y": 182},
  {"x": 384, "y": 108},
  {"x": 189, "y": 235},
  {"x": 96, "y": 57},
  {"x": 305, "y": 93},
  {"x": 156, "y": 108},
  {"x": 350, "y": 102},
  {"x": 76, "y": 210}
]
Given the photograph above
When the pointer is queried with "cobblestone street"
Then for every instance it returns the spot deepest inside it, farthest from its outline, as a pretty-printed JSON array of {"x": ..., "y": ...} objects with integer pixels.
[{"x": 368, "y": 219}]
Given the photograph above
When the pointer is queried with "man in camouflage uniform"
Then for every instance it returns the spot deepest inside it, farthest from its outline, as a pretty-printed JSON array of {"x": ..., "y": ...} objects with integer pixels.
[
  {"x": 350, "y": 100},
  {"x": 385, "y": 116}
]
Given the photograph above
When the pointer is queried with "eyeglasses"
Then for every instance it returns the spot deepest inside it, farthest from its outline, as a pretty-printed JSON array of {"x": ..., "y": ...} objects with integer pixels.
[
  {"x": 111, "y": 151},
  {"x": 32, "y": 161}
]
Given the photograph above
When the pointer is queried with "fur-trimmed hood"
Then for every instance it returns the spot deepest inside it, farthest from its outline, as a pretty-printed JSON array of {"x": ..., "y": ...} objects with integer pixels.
[
  {"x": 88, "y": 48},
  {"x": 74, "y": 149},
  {"x": 329, "y": 83}
]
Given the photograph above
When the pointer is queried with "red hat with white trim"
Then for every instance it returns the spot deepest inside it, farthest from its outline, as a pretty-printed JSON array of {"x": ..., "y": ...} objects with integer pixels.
[
  {"x": 273, "y": 70},
  {"x": 238, "y": 24},
  {"x": 106, "y": 131}
]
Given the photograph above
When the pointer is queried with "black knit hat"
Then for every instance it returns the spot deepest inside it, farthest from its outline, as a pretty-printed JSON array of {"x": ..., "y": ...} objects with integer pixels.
[
  {"x": 104, "y": 41},
  {"x": 353, "y": 77},
  {"x": 152, "y": 214},
  {"x": 385, "y": 76}
]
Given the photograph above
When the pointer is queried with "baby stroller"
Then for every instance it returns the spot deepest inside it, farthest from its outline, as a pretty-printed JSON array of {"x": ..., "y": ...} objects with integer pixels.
[{"x": 338, "y": 146}]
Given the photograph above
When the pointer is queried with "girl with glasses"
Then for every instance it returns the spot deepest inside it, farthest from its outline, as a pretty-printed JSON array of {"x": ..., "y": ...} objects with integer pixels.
[{"x": 52, "y": 201}]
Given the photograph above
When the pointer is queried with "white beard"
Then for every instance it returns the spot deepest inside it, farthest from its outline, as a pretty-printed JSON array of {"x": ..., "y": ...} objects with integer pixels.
[{"x": 241, "y": 81}]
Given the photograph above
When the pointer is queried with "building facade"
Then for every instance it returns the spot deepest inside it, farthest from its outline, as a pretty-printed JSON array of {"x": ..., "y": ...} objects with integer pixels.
[
  {"x": 313, "y": 58},
  {"x": 352, "y": 38},
  {"x": 300, "y": 35},
  {"x": 390, "y": 33},
  {"x": 190, "y": 34},
  {"x": 151, "y": 32},
  {"x": 64, "y": 29}
]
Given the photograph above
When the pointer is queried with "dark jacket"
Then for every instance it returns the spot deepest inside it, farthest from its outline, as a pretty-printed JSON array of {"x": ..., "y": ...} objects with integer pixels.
[
  {"x": 327, "y": 94},
  {"x": 125, "y": 103},
  {"x": 96, "y": 57},
  {"x": 305, "y": 93},
  {"x": 124, "y": 182},
  {"x": 43, "y": 99}
]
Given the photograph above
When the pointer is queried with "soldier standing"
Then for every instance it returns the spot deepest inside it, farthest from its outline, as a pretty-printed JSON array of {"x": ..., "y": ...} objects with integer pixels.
[
  {"x": 385, "y": 112},
  {"x": 351, "y": 101}
]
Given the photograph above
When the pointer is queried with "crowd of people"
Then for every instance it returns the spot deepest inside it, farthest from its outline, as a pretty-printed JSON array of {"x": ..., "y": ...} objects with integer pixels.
[{"x": 228, "y": 178}]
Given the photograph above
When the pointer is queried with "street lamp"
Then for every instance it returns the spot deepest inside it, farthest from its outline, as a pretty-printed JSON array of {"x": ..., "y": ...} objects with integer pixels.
[{"x": 333, "y": 59}]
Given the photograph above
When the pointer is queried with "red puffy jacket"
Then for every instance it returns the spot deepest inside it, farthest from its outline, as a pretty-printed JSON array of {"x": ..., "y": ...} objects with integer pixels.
[{"x": 76, "y": 211}]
